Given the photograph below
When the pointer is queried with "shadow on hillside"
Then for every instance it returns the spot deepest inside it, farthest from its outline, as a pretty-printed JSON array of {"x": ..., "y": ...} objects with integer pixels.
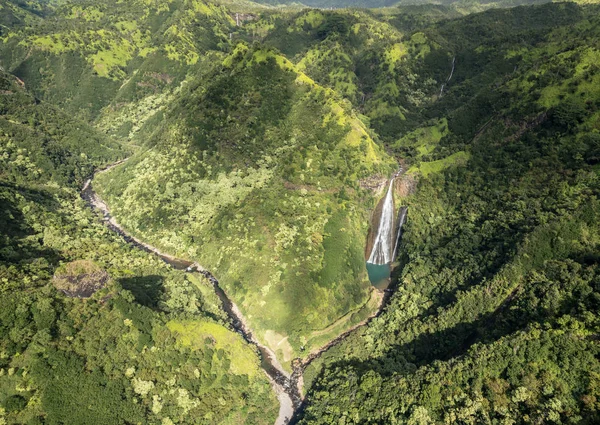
[
  {"x": 17, "y": 241},
  {"x": 146, "y": 290},
  {"x": 405, "y": 359}
]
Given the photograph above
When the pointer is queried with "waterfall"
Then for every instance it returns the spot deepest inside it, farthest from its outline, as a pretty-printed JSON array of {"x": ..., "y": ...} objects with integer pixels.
[
  {"x": 382, "y": 247},
  {"x": 449, "y": 77},
  {"x": 401, "y": 218}
]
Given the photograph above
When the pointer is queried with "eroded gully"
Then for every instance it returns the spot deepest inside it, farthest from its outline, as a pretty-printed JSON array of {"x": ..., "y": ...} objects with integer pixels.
[{"x": 287, "y": 386}]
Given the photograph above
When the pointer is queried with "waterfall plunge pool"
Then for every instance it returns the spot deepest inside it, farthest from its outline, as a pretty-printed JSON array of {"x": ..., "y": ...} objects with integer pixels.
[
  {"x": 379, "y": 275},
  {"x": 384, "y": 249}
]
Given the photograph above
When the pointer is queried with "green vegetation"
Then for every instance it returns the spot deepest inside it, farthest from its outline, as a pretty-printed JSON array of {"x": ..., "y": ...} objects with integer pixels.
[
  {"x": 92, "y": 57},
  {"x": 194, "y": 334},
  {"x": 257, "y": 178},
  {"x": 255, "y": 150},
  {"x": 421, "y": 142},
  {"x": 495, "y": 315},
  {"x": 426, "y": 168}
]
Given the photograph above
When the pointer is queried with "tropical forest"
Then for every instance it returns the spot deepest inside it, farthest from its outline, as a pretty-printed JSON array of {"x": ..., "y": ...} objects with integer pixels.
[{"x": 299, "y": 212}]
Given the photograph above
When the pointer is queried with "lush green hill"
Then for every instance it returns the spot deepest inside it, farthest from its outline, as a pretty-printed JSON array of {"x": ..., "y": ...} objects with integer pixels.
[
  {"x": 376, "y": 66},
  {"x": 459, "y": 6},
  {"x": 42, "y": 143},
  {"x": 257, "y": 176},
  {"x": 254, "y": 150},
  {"x": 89, "y": 56}
]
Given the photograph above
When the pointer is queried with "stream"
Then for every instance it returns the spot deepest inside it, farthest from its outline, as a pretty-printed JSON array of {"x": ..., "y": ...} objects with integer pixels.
[
  {"x": 287, "y": 386},
  {"x": 449, "y": 77}
]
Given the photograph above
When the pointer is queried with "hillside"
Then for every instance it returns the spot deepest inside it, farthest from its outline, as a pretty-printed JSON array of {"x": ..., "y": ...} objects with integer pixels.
[
  {"x": 150, "y": 344},
  {"x": 117, "y": 58},
  {"x": 459, "y": 6},
  {"x": 257, "y": 176},
  {"x": 495, "y": 313}
]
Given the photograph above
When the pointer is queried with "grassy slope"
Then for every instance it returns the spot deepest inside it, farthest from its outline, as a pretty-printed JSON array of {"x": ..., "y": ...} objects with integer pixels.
[
  {"x": 117, "y": 60},
  {"x": 378, "y": 61}
]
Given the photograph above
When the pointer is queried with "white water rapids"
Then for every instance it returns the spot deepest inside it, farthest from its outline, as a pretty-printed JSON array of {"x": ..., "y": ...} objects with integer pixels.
[{"x": 381, "y": 253}]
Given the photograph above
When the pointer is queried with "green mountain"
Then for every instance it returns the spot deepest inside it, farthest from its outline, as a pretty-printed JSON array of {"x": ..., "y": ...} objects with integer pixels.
[
  {"x": 258, "y": 141},
  {"x": 460, "y": 6},
  {"x": 89, "y": 56},
  {"x": 495, "y": 314}
]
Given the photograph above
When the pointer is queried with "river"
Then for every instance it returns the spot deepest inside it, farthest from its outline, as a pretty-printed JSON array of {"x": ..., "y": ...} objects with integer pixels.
[{"x": 287, "y": 386}]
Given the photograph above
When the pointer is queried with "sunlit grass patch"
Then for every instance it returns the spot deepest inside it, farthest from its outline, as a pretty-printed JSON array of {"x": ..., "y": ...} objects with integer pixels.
[
  {"x": 426, "y": 168},
  {"x": 196, "y": 334}
]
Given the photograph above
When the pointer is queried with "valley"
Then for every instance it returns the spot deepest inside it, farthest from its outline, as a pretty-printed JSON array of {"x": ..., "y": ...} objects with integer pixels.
[
  {"x": 245, "y": 213},
  {"x": 288, "y": 387}
]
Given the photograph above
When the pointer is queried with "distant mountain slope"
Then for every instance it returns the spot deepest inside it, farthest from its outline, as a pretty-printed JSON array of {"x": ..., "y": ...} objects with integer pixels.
[
  {"x": 14, "y": 14},
  {"x": 392, "y": 67},
  {"x": 366, "y": 59},
  {"x": 83, "y": 56},
  {"x": 464, "y": 6}
]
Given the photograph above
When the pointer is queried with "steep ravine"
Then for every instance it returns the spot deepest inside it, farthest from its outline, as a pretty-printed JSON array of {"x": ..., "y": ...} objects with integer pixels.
[{"x": 287, "y": 387}]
